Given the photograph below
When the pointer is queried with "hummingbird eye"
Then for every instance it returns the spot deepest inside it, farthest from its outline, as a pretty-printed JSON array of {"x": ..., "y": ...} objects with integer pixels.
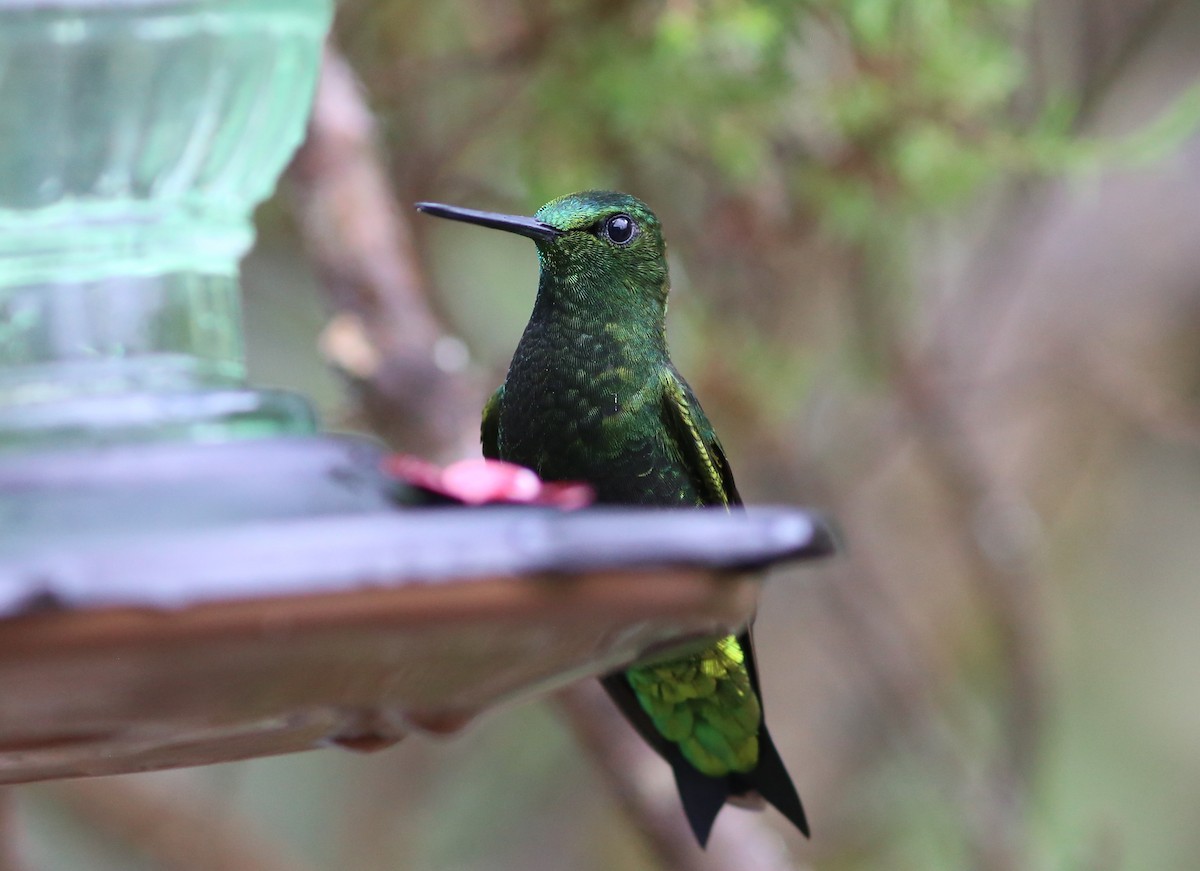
[{"x": 620, "y": 229}]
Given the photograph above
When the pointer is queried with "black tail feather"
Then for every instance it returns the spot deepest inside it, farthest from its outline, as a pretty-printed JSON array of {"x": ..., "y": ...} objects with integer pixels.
[
  {"x": 702, "y": 798},
  {"x": 771, "y": 780}
]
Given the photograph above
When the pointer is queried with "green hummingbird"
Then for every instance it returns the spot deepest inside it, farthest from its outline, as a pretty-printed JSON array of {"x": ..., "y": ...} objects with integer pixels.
[{"x": 591, "y": 395}]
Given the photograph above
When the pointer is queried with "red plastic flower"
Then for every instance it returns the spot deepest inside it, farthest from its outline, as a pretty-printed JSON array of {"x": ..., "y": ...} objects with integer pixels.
[{"x": 487, "y": 482}]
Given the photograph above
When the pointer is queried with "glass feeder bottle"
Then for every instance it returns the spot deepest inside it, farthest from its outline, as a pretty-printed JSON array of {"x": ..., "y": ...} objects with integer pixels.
[{"x": 136, "y": 137}]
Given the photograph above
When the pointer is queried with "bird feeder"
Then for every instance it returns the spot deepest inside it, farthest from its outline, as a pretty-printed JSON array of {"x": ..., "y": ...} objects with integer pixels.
[{"x": 189, "y": 571}]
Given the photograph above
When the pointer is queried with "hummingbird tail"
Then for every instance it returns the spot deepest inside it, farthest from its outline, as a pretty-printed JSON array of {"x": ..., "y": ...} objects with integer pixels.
[
  {"x": 771, "y": 780},
  {"x": 702, "y": 798}
]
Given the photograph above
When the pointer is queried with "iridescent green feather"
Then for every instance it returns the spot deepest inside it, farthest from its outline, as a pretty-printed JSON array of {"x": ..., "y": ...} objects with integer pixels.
[{"x": 706, "y": 705}]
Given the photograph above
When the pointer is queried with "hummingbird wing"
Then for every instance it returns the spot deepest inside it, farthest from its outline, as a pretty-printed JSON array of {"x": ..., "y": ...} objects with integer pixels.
[
  {"x": 489, "y": 430},
  {"x": 696, "y": 440}
]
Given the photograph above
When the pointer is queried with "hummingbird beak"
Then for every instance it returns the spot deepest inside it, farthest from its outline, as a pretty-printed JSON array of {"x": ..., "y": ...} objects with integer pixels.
[{"x": 531, "y": 227}]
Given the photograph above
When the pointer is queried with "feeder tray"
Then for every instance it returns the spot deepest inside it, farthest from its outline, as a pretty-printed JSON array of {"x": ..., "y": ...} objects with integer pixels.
[{"x": 183, "y": 604}]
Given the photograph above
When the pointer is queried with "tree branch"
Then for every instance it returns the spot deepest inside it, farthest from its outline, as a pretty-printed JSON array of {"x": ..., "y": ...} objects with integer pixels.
[{"x": 409, "y": 372}]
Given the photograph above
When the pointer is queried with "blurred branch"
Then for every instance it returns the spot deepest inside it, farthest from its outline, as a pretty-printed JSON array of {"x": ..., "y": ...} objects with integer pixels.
[
  {"x": 178, "y": 832},
  {"x": 1015, "y": 232},
  {"x": 989, "y": 527},
  {"x": 645, "y": 790},
  {"x": 988, "y": 524},
  {"x": 992, "y": 524},
  {"x": 995, "y": 540},
  {"x": 1138, "y": 34},
  {"x": 407, "y": 369},
  {"x": 893, "y": 658},
  {"x": 1141, "y": 400}
]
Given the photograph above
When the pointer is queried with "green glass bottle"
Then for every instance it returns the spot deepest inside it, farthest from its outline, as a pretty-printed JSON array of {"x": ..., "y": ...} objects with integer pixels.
[{"x": 136, "y": 137}]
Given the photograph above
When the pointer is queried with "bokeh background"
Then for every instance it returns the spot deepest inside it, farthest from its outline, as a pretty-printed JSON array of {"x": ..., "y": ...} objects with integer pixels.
[{"x": 936, "y": 270}]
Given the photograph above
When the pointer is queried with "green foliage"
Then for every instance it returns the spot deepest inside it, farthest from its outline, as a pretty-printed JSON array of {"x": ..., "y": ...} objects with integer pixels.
[
  {"x": 862, "y": 112},
  {"x": 858, "y": 110},
  {"x": 862, "y": 105}
]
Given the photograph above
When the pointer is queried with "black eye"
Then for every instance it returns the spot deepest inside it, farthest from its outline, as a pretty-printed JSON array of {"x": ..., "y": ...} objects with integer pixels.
[{"x": 619, "y": 229}]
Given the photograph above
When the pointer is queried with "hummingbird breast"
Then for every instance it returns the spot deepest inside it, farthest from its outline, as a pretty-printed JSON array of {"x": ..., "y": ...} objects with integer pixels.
[{"x": 582, "y": 402}]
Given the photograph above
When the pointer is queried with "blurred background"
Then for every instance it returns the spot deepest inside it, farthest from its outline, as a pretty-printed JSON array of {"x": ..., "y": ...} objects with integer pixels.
[{"x": 936, "y": 271}]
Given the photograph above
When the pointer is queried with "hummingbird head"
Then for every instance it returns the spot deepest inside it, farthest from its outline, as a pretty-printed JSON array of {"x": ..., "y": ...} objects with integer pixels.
[{"x": 602, "y": 249}]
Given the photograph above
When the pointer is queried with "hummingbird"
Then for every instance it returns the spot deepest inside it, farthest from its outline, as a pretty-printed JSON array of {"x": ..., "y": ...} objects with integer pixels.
[{"x": 591, "y": 395}]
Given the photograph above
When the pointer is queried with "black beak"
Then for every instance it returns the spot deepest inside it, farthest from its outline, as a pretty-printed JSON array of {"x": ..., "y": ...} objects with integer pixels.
[{"x": 530, "y": 227}]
